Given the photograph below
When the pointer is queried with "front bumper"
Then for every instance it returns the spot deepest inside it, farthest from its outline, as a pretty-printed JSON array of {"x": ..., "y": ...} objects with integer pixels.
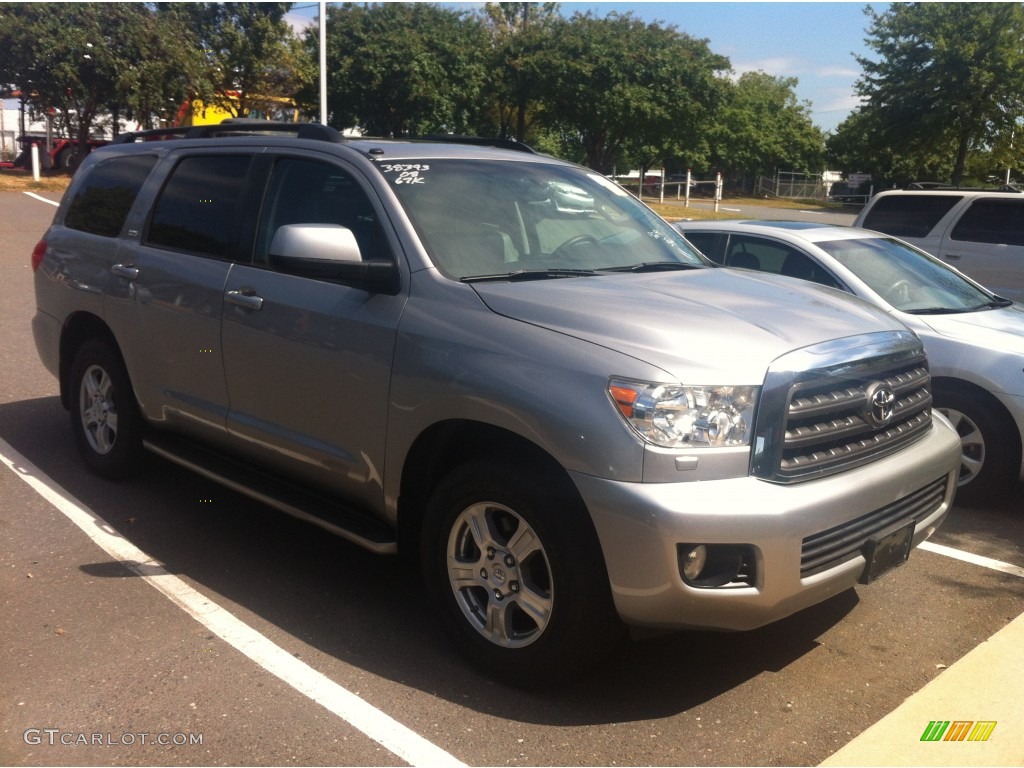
[{"x": 640, "y": 526}]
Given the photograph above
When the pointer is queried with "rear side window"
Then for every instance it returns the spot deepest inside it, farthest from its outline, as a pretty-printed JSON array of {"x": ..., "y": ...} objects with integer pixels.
[
  {"x": 909, "y": 215},
  {"x": 992, "y": 220},
  {"x": 708, "y": 243},
  {"x": 101, "y": 204},
  {"x": 200, "y": 206}
]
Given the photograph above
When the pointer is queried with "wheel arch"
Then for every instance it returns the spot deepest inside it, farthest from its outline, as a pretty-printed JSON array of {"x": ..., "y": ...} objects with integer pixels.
[
  {"x": 967, "y": 389},
  {"x": 446, "y": 445},
  {"x": 79, "y": 328}
]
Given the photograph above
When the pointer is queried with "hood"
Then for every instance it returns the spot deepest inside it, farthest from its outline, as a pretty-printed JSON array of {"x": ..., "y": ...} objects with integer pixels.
[
  {"x": 1001, "y": 329},
  {"x": 708, "y": 325}
]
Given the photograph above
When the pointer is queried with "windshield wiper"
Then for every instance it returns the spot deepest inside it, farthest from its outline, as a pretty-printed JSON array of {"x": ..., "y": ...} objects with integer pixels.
[
  {"x": 654, "y": 266},
  {"x": 996, "y": 303},
  {"x": 522, "y": 275}
]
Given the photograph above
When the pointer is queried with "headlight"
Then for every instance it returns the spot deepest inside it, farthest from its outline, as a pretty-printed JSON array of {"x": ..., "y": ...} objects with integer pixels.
[{"x": 676, "y": 416}]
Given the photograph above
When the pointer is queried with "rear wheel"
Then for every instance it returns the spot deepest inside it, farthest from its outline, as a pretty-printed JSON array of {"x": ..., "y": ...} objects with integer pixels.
[
  {"x": 104, "y": 417},
  {"x": 990, "y": 446},
  {"x": 515, "y": 571}
]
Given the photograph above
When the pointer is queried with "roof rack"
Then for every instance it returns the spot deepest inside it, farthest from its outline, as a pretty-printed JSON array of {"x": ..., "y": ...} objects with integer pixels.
[
  {"x": 481, "y": 141},
  {"x": 937, "y": 186},
  {"x": 234, "y": 127}
]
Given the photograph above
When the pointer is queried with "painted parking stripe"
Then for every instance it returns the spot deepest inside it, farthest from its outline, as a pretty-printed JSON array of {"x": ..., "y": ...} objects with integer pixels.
[
  {"x": 40, "y": 197},
  {"x": 967, "y": 557},
  {"x": 386, "y": 731}
]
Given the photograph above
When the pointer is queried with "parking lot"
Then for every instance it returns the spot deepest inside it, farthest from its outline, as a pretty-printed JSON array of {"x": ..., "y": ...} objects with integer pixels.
[{"x": 170, "y": 621}]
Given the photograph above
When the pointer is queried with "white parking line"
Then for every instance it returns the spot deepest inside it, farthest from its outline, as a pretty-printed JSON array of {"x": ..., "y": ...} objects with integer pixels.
[
  {"x": 40, "y": 197},
  {"x": 383, "y": 729},
  {"x": 967, "y": 557}
]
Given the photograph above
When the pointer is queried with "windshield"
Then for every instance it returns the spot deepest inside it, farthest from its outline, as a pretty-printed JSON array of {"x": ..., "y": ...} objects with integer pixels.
[
  {"x": 909, "y": 279},
  {"x": 480, "y": 219}
]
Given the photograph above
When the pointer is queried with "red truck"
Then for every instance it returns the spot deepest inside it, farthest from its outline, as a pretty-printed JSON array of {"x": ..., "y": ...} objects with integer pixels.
[{"x": 64, "y": 155}]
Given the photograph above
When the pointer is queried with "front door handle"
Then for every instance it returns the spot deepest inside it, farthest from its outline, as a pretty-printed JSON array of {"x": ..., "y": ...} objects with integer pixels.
[
  {"x": 127, "y": 271},
  {"x": 245, "y": 298},
  {"x": 952, "y": 256}
]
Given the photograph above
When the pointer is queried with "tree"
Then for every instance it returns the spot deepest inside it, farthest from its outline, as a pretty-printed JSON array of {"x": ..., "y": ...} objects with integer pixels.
[
  {"x": 252, "y": 58},
  {"x": 621, "y": 89},
  {"x": 84, "y": 62},
  {"x": 520, "y": 33},
  {"x": 950, "y": 78},
  {"x": 399, "y": 69},
  {"x": 761, "y": 127}
]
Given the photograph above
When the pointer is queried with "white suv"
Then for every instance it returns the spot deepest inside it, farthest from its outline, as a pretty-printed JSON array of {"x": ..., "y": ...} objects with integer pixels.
[{"x": 979, "y": 233}]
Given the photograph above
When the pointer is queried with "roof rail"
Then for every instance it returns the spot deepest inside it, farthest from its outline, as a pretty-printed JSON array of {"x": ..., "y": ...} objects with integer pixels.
[
  {"x": 936, "y": 186},
  {"x": 481, "y": 141},
  {"x": 234, "y": 127}
]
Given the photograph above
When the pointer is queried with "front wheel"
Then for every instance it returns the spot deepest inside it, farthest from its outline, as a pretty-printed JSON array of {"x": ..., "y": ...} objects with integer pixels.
[
  {"x": 515, "y": 571},
  {"x": 990, "y": 447},
  {"x": 104, "y": 417}
]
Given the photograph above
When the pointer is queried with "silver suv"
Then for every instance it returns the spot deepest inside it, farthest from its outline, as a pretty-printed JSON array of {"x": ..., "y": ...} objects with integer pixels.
[{"x": 498, "y": 362}]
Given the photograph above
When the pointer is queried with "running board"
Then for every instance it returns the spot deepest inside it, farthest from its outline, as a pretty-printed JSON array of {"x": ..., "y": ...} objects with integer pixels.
[{"x": 320, "y": 510}]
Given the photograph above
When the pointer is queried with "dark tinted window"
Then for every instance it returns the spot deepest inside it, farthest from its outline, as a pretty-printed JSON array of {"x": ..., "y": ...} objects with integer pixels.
[
  {"x": 909, "y": 215},
  {"x": 750, "y": 252},
  {"x": 992, "y": 220},
  {"x": 199, "y": 207},
  {"x": 313, "y": 192},
  {"x": 708, "y": 243},
  {"x": 102, "y": 202}
]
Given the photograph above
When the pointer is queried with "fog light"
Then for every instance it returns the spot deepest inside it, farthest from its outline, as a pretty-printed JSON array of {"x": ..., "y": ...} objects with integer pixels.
[
  {"x": 717, "y": 566},
  {"x": 693, "y": 562}
]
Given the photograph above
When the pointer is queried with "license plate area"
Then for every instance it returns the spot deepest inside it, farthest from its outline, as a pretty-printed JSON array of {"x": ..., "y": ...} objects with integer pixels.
[{"x": 886, "y": 551}]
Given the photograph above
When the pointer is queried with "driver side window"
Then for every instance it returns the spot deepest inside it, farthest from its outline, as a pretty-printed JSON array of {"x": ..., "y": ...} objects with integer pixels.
[{"x": 312, "y": 192}]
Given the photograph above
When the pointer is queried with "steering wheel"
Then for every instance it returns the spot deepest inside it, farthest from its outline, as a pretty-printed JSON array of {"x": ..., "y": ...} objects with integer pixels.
[
  {"x": 900, "y": 291},
  {"x": 573, "y": 242}
]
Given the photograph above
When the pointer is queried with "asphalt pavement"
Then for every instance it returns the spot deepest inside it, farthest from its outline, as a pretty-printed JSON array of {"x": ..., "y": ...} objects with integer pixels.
[{"x": 88, "y": 646}]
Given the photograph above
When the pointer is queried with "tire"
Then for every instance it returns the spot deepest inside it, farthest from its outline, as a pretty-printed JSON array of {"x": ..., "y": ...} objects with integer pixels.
[
  {"x": 105, "y": 419},
  {"x": 514, "y": 570},
  {"x": 68, "y": 159},
  {"x": 989, "y": 442}
]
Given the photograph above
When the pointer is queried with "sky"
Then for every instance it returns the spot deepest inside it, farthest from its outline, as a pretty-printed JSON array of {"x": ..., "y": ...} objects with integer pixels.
[{"x": 814, "y": 42}]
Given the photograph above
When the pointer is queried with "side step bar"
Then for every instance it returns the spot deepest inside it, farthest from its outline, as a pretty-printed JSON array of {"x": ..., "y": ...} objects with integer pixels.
[{"x": 320, "y": 510}]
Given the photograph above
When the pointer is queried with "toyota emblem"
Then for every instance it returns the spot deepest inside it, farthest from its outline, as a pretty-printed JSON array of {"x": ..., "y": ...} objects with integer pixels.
[{"x": 881, "y": 404}]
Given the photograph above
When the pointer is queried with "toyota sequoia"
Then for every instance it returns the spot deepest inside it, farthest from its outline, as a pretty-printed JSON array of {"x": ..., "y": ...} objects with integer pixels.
[{"x": 498, "y": 362}]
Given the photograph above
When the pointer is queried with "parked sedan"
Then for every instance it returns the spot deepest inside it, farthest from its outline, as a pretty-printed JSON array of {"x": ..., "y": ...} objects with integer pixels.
[{"x": 974, "y": 339}]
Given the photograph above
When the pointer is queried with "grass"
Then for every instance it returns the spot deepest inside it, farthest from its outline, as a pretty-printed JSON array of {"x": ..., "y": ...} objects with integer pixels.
[{"x": 20, "y": 181}]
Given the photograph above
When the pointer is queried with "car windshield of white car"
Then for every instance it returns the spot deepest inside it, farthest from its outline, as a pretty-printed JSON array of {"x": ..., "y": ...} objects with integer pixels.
[
  {"x": 490, "y": 220},
  {"x": 908, "y": 279}
]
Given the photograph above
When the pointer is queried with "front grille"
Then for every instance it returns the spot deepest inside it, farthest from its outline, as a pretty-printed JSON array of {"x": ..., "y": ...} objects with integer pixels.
[
  {"x": 830, "y": 548},
  {"x": 845, "y": 411},
  {"x": 828, "y": 427}
]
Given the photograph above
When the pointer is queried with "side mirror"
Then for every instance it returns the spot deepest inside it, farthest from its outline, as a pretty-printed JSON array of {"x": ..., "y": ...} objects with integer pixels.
[{"x": 330, "y": 252}]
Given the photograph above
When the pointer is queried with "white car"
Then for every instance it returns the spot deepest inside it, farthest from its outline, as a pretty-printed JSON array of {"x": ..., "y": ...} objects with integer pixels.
[{"x": 974, "y": 339}]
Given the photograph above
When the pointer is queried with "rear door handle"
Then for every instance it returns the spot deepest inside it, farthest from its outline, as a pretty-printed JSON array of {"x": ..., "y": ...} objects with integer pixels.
[
  {"x": 127, "y": 271},
  {"x": 952, "y": 256},
  {"x": 245, "y": 298}
]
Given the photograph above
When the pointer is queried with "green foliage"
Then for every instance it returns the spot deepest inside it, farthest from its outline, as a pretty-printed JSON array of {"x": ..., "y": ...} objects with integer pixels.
[
  {"x": 623, "y": 91},
  {"x": 400, "y": 69},
  {"x": 520, "y": 37},
  {"x": 760, "y": 127},
  {"x": 83, "y": 60},
  {"x": 949, "y": 81},
  {"x": 249, "y": 54}
]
